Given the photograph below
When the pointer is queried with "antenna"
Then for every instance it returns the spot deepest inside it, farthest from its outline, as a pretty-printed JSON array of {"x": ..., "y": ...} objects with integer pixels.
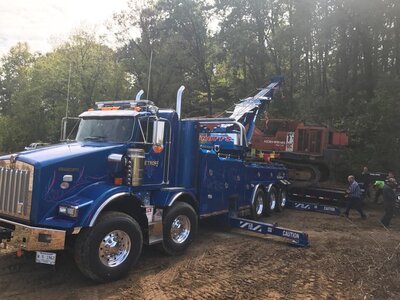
[
  {"x": 66, "y": 109},
  {"x": 148, "y": 79}
]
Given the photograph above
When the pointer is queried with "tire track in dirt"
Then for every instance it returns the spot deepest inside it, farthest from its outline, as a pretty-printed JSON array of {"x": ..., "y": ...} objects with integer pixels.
[
  {"x": 342, "y": 262},
  {"x": 248, "y": 269}
]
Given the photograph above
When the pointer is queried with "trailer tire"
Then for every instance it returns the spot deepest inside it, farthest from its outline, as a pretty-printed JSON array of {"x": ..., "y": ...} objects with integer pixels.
[
  {"x": 108, "y": 250},
  {"x": 271, "y": 201},
  {"x": 179, "y": 228},
  {"x": 282, "y": 200},
  {"x": 258, "y": 207}
]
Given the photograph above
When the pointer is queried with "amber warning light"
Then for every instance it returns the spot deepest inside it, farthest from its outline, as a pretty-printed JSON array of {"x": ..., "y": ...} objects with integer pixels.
[
  {"x": 158, "y": 148},
  {"x": 118, "y": 181}
]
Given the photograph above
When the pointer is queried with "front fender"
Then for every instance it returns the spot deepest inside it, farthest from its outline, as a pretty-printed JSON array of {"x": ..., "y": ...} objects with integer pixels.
[
  {"x": 102, "y": 195},
  {"x": 90, "y": 202}
]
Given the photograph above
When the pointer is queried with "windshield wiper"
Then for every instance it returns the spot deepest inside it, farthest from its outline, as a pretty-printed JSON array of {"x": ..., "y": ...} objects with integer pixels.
[{"x": 94, "y": 138}]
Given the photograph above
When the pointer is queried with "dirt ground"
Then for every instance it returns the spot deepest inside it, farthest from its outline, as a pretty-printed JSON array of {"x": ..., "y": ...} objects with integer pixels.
[{"x": 347, "y": 259}]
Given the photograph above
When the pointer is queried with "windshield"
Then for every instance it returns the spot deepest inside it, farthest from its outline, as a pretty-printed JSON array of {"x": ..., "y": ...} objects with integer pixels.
[{"x": 105, "y": 129}]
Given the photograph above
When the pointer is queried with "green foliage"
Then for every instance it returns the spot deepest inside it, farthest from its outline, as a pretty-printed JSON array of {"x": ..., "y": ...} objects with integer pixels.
[
  {"x": 35, "y": 87},
  {"x": 340, "y": 59}
]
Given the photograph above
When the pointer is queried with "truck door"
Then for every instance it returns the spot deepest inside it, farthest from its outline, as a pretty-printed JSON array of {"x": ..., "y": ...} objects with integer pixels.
[
  {"x": 154, "y": 135},
  {"x": 315, "y": 141}
]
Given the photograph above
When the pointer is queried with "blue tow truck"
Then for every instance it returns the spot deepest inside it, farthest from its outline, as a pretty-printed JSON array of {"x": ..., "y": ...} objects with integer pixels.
[{"x": 139, "y": 175}]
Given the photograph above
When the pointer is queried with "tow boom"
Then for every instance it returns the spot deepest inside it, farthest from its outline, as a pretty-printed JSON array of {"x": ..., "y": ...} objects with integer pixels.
[{"x": 247, "y": 110}]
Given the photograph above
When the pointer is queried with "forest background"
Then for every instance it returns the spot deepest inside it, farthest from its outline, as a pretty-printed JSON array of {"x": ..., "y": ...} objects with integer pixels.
[{"x": 340, "y": 60}]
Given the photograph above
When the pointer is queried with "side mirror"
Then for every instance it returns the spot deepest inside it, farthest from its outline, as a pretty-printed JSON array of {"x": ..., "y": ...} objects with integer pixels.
[
  {"x": 158, "y": 132},
  {"x": 68, "y": 127}
]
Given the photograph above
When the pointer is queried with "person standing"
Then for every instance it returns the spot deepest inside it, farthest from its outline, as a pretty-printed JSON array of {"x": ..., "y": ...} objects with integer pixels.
[
  {"x": 389, "y": 198},
  {"x": 378, "y": 187},
  {"x": 354, "y": 197},
  {"x": 379, "y": 184},
  {"x": 365, "y": 179}
]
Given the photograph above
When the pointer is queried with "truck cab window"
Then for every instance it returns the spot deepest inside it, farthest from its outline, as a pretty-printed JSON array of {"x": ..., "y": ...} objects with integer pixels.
[
  {"x": 151, "y": 131},
  {"x": 146, "y": 127},
  {"x": 114, "y": 129}
]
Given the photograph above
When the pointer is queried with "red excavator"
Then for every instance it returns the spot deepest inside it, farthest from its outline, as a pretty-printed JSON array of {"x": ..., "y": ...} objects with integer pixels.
[{"x": 308, "y": 151}]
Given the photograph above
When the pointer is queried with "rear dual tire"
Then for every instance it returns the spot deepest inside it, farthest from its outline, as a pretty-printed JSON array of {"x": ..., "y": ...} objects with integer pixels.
[
  {"x": 265, "y": 204},
  {"x": 281, "y": 204},
  {"x": 258, "y": 207},
  {"x": 273, "y": 200},
  {"x": 179, "y": 228}
]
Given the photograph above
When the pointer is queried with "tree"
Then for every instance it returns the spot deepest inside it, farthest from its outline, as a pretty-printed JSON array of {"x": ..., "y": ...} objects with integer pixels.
[
  {"x": 14, "y": 73},
  {"x": 34, "y": 99},
  {"x": 174, "y": 35}
]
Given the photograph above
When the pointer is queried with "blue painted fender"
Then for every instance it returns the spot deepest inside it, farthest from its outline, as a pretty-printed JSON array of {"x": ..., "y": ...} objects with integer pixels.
[
  {"x": 167, "y": 197},
  {"x": 90, "y": 201}
]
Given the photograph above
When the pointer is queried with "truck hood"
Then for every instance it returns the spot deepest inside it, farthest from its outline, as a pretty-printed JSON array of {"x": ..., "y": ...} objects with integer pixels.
[{"x": 54, "y": 154}]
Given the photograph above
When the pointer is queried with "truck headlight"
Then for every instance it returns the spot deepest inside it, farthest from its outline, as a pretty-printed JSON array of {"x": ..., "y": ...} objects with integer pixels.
[{"x": 68, "y": 210}]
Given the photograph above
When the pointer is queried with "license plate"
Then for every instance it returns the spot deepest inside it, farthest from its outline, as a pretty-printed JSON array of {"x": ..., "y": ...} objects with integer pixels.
[{"x": 47, "y": 258}]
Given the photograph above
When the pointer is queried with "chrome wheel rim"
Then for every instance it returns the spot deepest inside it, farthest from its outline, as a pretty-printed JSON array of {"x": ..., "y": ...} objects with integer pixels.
[
  {"x": 283, "y": 199},
  {"x": 272, "y": 202},
  {"x": 259, "y": 205},
  {"x": 180, "y": 229},
  {"x": 114, "y": 248}
]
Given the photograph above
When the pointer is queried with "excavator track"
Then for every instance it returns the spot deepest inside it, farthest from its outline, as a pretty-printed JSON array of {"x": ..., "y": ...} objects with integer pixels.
[{"x": 303, "y": 174}]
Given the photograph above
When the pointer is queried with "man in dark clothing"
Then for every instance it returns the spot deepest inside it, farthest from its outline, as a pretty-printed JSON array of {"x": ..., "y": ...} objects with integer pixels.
[
  {"x": 389, "y": 198},
  {"x": 354, "y": 197},
  {"x": 379, "y": 184},
  {"x": 365, "y": 182}
]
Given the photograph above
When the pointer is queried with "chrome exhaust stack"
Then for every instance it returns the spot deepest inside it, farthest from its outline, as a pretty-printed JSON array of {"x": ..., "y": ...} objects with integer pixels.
[
  {"x": 179, "y": 100},
  {"x": 139, "y": 95}
]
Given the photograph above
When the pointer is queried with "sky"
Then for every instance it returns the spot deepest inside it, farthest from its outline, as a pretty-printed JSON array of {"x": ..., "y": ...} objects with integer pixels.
[{"x": 43, "y": 23}]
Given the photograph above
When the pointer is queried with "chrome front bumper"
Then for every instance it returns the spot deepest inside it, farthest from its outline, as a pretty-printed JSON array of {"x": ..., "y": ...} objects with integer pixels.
[{"x": 32, "y": 238}]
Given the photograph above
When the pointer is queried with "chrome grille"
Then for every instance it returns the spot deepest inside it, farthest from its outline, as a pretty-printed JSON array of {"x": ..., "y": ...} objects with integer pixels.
[{"x": 16, "y": 189}]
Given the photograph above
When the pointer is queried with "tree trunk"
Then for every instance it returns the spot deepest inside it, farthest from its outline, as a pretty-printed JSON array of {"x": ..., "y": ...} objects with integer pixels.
[
  {"x": 367, "y": 61},
  {"x": 397, "y": 41},
  {"x": 311, "y": 58},
  {"x": 262, "y": 53},
  {"x": 291, "y": 51}
]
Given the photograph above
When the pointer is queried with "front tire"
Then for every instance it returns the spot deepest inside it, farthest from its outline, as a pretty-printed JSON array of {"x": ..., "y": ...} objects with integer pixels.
[
  {"x": 108, "y": 250},
  {"x": 179, "y": 228}
]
